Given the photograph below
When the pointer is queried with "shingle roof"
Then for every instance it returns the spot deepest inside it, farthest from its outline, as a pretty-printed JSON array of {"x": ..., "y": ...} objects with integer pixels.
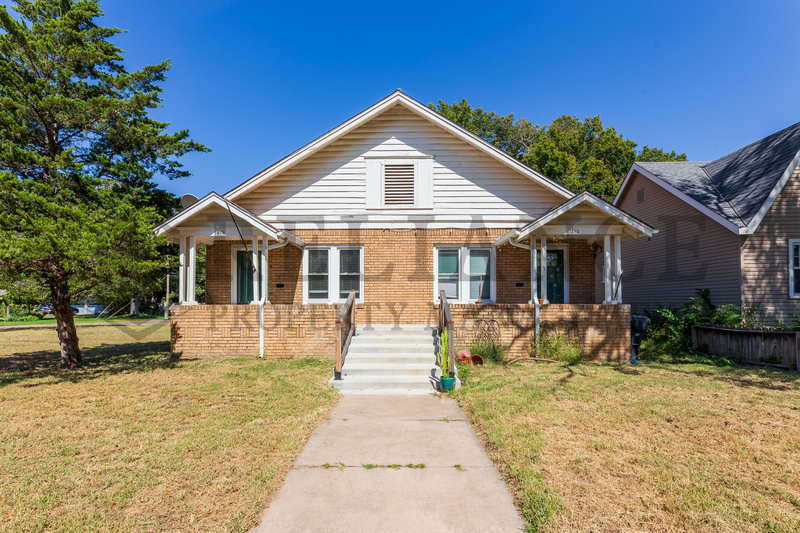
[{"x": 736, "y": 185}]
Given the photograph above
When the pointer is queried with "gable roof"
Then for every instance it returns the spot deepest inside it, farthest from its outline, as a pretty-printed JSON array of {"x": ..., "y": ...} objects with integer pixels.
[
  {"x": 398, "y": 97},
  {"x": 172, "y": 225},
  {"x": 738, "y": 188},
  {"x": 639, "y": 228}
]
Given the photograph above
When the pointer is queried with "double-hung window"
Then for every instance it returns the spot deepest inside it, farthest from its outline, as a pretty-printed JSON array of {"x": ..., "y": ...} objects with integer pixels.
[
  {"x": 794, "y": 268},
  {"x": 331, "y": 272},
  {"x": 465, "y": 273}
]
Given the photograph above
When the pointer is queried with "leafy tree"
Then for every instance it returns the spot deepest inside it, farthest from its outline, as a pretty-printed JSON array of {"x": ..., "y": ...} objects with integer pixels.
[
  {"x": 77, "y": 155},
  {"x": 580, "y": 155}
]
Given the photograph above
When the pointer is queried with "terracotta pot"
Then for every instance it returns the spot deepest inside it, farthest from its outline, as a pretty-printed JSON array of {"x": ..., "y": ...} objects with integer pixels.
[
  {"x": 475, "y": 360},
  {"x": 463, "y": 356},
  {"x": 541, "y": 301}
]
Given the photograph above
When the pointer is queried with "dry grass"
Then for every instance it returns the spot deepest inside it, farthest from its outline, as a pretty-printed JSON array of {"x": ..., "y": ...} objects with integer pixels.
[
  {"x": 134, "y": 442},
  {"x": 660, "y": 447}
]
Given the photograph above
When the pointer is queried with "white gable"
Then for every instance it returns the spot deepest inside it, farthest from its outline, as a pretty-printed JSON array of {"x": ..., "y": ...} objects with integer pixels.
[{"x": 467, "y": 185}]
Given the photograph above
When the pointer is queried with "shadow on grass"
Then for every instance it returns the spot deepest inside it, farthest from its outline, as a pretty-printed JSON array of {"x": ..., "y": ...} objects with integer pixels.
[{"x": 98, "y": 361}]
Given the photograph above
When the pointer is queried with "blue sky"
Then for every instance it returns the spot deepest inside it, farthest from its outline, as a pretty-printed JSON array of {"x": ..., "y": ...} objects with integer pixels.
[{"x": 256, "y": 80}]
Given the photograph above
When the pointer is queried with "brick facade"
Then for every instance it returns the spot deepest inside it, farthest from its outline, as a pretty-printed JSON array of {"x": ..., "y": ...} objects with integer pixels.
[
  {"x": 398, "y": 288},
  {"x": 604, "y": 329},
  {"x": 222, "y": 330}
]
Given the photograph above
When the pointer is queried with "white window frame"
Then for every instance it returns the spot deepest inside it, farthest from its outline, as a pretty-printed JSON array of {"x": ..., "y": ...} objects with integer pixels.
[
  {"x": 792, "y": 270},
  {"x": 235, "y": 271},
  {"x": 423, "y": 181},
  {"x": 463, "y": 272},
  {"x": 333, "y": 274}
]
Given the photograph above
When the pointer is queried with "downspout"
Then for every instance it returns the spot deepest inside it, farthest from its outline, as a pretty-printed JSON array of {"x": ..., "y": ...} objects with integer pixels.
[
  {"x": 264, "y": 292},
  {"x": 513, "y": 241}
]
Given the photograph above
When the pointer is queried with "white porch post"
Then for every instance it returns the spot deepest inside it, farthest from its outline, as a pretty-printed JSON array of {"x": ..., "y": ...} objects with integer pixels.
[
  {"x": 182, "y": 272},
  {"x": 618, "y": 269},
  {"x": 265, "y": 269},
  {"x": 544, "y": 270},
  {"x": 192, "y": 273},
  {"x": 534, "y": 281},
  {"x": 607, "y": 268},
  {"x": 256, "y": 277}
]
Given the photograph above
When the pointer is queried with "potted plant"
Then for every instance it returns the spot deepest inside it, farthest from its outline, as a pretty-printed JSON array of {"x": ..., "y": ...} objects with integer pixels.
[{"x": 447, "y": 381}]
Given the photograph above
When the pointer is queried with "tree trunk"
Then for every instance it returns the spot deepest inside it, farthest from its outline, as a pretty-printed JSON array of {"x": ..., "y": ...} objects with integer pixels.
[
  {"x": 134, "y": 310},
  {"x": 65, "y": 324}
]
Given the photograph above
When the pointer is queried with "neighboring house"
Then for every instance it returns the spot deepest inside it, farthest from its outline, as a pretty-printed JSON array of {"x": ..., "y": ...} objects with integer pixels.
[
  {"x": 731, "y": 226},
  {"x": 397, "y": 203}
]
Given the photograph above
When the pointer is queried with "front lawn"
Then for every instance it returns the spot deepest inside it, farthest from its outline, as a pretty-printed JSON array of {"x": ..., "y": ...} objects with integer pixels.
[
  {"x": 135, "y": 442},
  {"x": 674, "y": 444},
  {"x": 81, "y": 319}
]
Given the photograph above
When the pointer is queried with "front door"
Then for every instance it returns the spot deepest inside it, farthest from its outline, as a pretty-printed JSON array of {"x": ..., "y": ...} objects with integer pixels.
[
  {"x": 244, "y": 277},
  {"x": 555, "y": 276}
]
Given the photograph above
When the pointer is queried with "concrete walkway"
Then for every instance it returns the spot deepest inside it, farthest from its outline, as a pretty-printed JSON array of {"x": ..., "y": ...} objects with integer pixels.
[{"x": 393, "y": 430}]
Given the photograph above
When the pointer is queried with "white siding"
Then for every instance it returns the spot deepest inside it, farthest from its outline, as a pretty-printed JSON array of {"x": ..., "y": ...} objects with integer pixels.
[{"x": 466, "y": 182}]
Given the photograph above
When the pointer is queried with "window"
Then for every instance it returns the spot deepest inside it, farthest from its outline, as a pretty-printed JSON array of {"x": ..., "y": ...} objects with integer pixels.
[
  {"x": 464, "y": 273},
  {"x": 331, "y": 272},
  {"x": 794, "y": 268}
]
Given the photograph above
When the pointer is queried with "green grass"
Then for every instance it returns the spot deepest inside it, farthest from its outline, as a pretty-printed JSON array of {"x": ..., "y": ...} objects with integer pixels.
[
  {"x": 137, "y": 442},
  {"x": 81, "y": 319},
  {"x": 681, "y": 442}
]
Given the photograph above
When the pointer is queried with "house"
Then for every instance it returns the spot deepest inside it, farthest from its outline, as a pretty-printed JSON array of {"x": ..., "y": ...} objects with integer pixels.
[
  {"x": 394, "y": 206},
  {"x": 731, "y": 226}
]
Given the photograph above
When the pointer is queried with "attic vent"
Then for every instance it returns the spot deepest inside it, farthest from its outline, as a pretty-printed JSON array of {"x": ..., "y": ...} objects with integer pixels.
[
  {"x": 640, "y": 196},
  {"x": 398, "y": 184}
]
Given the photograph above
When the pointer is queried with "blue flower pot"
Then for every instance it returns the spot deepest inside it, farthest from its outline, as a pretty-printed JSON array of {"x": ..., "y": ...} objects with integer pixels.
[{"x": 447, "y": 384}]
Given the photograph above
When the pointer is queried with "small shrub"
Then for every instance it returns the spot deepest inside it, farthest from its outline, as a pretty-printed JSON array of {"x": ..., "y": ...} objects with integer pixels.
[
  {"x": 558, "y": 347},
  {"x": 490, "y": 349}
]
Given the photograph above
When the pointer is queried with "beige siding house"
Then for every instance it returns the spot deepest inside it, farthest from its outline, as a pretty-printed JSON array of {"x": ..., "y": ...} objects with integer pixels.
[{"x": 731, "y": 226}]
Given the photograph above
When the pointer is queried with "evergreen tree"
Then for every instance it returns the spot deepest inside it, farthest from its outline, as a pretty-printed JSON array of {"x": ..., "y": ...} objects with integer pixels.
[{"x": 77, "y": 156}]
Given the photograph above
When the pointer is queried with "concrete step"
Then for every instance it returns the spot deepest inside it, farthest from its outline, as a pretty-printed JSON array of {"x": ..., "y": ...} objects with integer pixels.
[
  {"x": 393, "y": 339},
  {"x": 369, "y": 347},
  {"x": 399, "y": 382},
  {"x": 398, "y": 358},
  {"x": 353, "y": 369},
  {"x": 394, "y": 329}
]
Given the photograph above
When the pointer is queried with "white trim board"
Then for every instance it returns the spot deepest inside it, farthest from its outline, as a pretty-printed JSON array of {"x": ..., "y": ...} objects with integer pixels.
[
  {"x": 792, "y": 244},
  {"x": 396, "y": 98}
]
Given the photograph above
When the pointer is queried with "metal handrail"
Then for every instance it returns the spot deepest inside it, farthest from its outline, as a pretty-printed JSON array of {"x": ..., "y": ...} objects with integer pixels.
[
  {"x": 446, "y": 321},
  {"x": 346, "y": 320}
]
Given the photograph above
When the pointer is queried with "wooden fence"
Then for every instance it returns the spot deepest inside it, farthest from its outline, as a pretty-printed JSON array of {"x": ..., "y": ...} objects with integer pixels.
[{"x": 779, "y": 348}]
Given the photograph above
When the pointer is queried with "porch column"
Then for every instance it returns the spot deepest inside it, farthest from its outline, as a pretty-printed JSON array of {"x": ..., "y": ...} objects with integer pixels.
[
  {"x": 182, "y": 272},
  {"x": 256, "y": 277},
  {"x": 543, "y": 289},
  {"x": 607, "y": 268},
  {"x": 192, "y": 272},
  {"x": 534, "y": 281},
  {"x": 265, "y": 269},
  {"x": 618, "y": 269}
]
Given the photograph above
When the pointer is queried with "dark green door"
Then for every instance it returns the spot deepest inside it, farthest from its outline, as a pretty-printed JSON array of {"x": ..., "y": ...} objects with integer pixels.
[
  {"x": 244, "y": 277},
  {"x": 555, "y": 276}
]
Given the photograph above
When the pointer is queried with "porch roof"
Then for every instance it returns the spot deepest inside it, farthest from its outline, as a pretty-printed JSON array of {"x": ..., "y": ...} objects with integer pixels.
[
  {"x": 583, "y": 215},
  {"x": 213, "y": 218}
]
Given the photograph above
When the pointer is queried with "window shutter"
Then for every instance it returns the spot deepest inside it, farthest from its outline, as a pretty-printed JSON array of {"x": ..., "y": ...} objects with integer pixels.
[{"x": 398, "y": 184}]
